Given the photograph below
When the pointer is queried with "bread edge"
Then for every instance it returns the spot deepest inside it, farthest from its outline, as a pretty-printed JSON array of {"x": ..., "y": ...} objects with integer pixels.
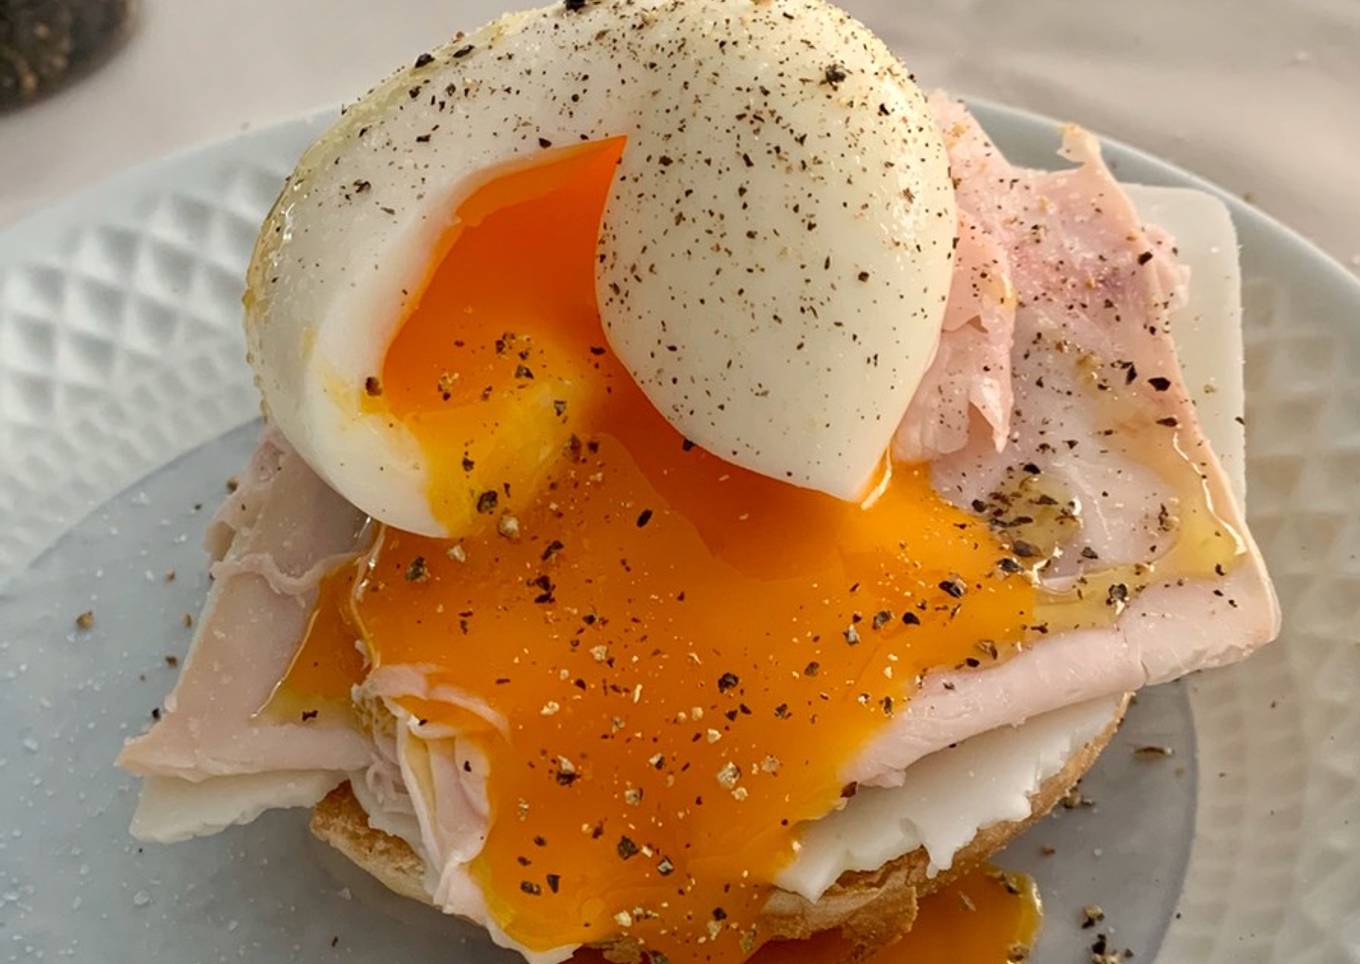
[{"x": 871, "y": 908}]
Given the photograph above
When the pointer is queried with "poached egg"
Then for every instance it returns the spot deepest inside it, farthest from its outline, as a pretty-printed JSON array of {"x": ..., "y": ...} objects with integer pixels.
[{"x": 773, "y": 255}]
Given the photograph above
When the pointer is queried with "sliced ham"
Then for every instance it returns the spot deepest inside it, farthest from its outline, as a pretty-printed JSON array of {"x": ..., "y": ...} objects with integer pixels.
[
  {"x": 1089, "y": 281},
  {"x": 272, "y": 541},
  {"x": 970, "y": 378}
]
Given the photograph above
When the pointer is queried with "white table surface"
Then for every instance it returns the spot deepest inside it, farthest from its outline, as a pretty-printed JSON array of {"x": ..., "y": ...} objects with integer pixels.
[{"x": 1258, "y": 96}]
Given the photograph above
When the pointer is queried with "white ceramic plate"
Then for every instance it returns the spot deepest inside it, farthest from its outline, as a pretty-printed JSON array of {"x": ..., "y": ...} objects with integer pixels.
[{"x": 120, "y": 352}]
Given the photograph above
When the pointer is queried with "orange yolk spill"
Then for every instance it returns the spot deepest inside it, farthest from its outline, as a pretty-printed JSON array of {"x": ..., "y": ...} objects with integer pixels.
[
  {"x": 986, "y": 916},
  {"x": 321, "y": 675},
  {"x": 491, "y": 372},
  {"x": 686, "y": 655}
]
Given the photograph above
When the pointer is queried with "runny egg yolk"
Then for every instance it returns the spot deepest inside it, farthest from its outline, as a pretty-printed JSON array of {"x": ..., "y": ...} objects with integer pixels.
[
  {"x": 986, "y": 916},
  {"x": 677, "y": 658}
]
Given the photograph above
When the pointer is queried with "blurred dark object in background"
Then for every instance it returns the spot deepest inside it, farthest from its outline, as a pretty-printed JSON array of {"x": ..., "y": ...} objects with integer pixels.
[{"x": 45, "y": 43}]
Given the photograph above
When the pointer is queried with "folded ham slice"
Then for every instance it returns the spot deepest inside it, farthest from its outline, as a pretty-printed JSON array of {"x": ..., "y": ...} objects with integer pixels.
[
  {"x": 1089, "y": 280},
  {"x": 273, "y": 539},
  {"x": 971, "y": 373}
]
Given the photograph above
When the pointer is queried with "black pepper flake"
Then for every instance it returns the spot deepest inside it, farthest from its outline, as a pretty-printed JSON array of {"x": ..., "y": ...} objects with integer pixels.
[
  {"x": 523, "y": 371},
  {"x": 417, "y": 571},
  {"x": 665, "y": 868},
  {"x": 486, "y": 502},
  {"x": 1170, "y": 421},
  {"x": 882, "y": 618},
  {"x": 835, "y": 74},
  {"x": 310, "y": 715},
  {"x": 863, "y": 276},
  {"x": 462, "y": 52},
  {"x": 423, "y": 60},
  {"x": 1008, "y": 565},
  {"x": 1025, "y": 550},
  {"x": 530, "y": 888},
  {"x": 566, "y": 778},
  {"x": 1117, "y": 595},
  {"x": 812, "y": 668},
  {"x": 574, "y": 6},
  {"x": 597, "y": 350},
  {"x": 545, "y": 584},
  {"x": 554, "y": 882},
  {"x": 372, "y": 385},
  {"x": 627, "y": 848},
  {"x": 1159, "y": 383},
  {"x": 544, "y": 143},
  {"x": 1145, "y": 257},
  {"x": 727, "y": 681},
  {"x": 156, "y": 713},
  {"x": 560, "y": 406},
  {"x": 552, "y": 549},
  {"x": 953, "y": 588},
  {"x": 468, "y": 463},
  {"x": 1153, "y": 750},
  {"x": 911, "y": 619},
  {"x": 644, "y": 517}
]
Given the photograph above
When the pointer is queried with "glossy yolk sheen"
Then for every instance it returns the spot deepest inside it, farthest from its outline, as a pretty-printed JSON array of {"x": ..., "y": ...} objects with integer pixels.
[
  {"x": 986, "y": 916},
  {"x": 685, "y": 655}
]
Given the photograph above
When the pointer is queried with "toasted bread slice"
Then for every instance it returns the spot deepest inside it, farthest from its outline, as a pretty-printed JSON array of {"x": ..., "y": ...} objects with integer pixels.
[{"x": 871, "y": 908}]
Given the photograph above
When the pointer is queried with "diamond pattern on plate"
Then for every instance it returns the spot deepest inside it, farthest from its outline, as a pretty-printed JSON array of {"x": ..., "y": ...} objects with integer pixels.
[
  {"x": 120, "y": 341},
  {"x": 1275, "y": 872}
]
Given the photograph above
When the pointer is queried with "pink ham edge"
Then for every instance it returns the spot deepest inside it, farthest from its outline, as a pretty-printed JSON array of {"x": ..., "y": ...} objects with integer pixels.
[
  {"x": 272, "y": 541},
  {"x": 970, "y": 377}
]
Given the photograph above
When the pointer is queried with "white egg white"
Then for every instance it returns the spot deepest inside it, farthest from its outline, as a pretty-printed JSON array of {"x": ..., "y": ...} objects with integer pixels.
[{"x": 774, "y": 256}]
